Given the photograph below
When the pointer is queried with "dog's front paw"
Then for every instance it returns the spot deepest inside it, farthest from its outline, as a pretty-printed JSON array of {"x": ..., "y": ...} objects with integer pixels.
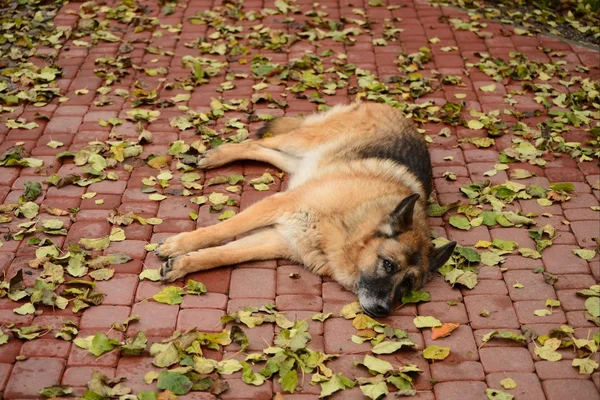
[
  {"x": 172, "y": 247},
  {"x": 210, "y": 159},
  {"x": 173, "y": 269}
]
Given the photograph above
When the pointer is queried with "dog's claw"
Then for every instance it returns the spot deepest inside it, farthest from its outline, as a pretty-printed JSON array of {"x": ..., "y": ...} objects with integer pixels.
[
  {"x": 166, "y": 268},
  {"x": 158, "y": 252}
]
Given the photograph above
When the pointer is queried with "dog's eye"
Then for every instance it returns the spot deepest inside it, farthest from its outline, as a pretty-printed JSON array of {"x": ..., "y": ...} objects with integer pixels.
[{"x": 389, "y": 265}]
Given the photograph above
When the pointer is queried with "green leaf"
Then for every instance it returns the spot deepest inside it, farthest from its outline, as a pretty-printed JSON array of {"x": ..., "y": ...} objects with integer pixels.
[
  {"x": 228, "y": 367},
  {"x": 33, "y": 190},
  {"x": 508, "y": 383},
  {"x": 416, "y": 296},
  {"x": 474, "y": 124},
  {"x": 29, "y": 209},
  {"x": 95, "y": 244},
  {"x": 547, "y": 353},
  {"x": 116, "y": 235},
  {"x": 147, "y": 395},
  {"x": 56, "y": 391},
  {"x": 584, "y": 253},
  {"x": 387, "y": 347},
  {"x": 25, "y": 309},
  {"x": 193, "y": 287},
  {"x": 321, "y": 317},
  {"x": 460, "y": 222},
  {"x": 488, "y": 88},
  {"x": 587, "y": 366},
  {"x": 165, "y": 355},
  {"x": 375, "y": 391},
  {"x": 289, "y": 381},
  {"x": 175, "y": 382},
  {"x": 542, "y": 312},
  {"x": 150, "y": 274},
  {"x": 592, "y": 305},
  {"x": 336, "y": 383},
  {"x": 436, "y": 352},
  {"x": 102, "y": 274},
  {"x": 377, "y": 365},
  {"x": 495, "y": 394},
  {"x": 426, "y": 322},
  {"x": 169, "y": 295},
  {"x": 97, "y": 344}
]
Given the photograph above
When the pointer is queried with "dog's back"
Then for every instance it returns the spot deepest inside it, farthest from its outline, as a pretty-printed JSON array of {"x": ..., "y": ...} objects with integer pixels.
[{"x": 355, "y": 132}]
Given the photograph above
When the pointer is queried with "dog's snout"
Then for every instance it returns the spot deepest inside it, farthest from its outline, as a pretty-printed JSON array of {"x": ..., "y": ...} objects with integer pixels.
[{"x": 377, "y": 310}]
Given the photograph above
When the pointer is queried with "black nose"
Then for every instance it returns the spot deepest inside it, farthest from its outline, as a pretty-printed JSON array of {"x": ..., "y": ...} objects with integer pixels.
[{"x": 377, "y": 310}]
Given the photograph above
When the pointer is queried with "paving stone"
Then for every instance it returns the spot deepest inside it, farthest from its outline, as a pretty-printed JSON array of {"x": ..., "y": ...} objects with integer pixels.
[
  {"x": 290, "y": 302},
  {"x": 585, "y": 231},
  {"x": 54, "y": 348},
  {"x": 461, "y": 343},
  {"x": 294, "y": 279},
  {"x": 207, "y": 300},
  {"x": 559, "y": 389},
  {"x": 528, "y": 384},
  {"x": 103, "y": 316},
  {"x": 156, "y": 319},
  {"x": 79, "y": 356},
  {"x": 444, "y": 312},
  {"x": 534, "y": 286},
  {"x": 506, "y": 359},
  {"x": 570, "y": 300},
  {"x": 559, "y": 259},
  {"x": 558, "y": 370},
  {"x": 457, "y": 371},
  {"x": 206, "y": 320},
  {"x": 119, "y": 290},
  {"x": 470, "y": 390},
  {"x": 81, "y": 375},
  {"x": 5, "y": 370},
  {"x": 10, "y": 351},
  {"x": 525, "y": 313},
  {"x": 501, "y": 312},
  {"x": 134, "y": 368},
  {"x": 216, "y": 280},
  {"x": 32, "y": 375},
  {"x": 489, "y": 287},
  {"x": 252, "y": 283}
]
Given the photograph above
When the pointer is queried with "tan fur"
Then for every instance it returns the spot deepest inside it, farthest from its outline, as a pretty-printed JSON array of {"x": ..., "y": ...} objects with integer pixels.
[{"x": 334, "y": 205}]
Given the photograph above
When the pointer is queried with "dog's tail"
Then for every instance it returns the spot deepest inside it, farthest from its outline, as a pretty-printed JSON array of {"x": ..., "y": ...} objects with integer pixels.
[{"x": 279, "y": 126}]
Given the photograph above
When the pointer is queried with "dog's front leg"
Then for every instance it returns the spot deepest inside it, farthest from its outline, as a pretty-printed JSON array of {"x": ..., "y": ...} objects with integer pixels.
[
  {"x": 259, "y": 215},
  {"x": 263, "y": 245}
]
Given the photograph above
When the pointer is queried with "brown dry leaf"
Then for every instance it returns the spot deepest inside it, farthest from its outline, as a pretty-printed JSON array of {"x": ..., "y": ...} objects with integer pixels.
[{"x": 444, "y": 330}]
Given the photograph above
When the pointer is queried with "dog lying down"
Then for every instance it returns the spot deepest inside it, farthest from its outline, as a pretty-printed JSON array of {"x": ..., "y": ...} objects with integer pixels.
[{"x": 354, "y": 209}]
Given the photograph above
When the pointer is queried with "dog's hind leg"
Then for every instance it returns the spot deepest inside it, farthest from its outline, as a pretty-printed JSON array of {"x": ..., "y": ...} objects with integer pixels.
[
  {"x": 263, "y": 245},
  {"x": 259, "y": 215},
  {"x": 252, "y": 150}
]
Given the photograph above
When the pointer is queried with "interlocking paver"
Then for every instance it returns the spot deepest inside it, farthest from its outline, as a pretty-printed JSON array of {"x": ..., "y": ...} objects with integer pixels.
[
  {"x": 457, "y": 390},
  {"x": 32, "y": 375},
  {"x": 461, "y": 343},
  {"x": 457, "y": 371},
  {"x": 500, "y": 309},
  {"x": 557, "y": 389},
  {"x": 528, "y": 384},
  {"x": 506, "y": 359}
]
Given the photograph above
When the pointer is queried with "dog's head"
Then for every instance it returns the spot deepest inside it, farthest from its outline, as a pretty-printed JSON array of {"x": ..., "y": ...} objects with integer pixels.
[{"x": 397, "y": 259}]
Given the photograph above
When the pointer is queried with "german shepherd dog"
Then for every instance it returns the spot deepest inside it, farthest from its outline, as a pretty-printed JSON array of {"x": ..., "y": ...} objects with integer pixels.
[{"x": 354, "y": 209}]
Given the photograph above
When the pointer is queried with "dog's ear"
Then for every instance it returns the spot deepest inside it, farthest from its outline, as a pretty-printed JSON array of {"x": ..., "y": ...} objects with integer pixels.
[
  {"x": 402, "y": 216},
  {"x": 440, "y": 255}
]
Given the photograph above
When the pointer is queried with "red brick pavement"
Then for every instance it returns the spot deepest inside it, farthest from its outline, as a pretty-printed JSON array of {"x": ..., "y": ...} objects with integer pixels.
[{"x": 469, "y": 370}]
